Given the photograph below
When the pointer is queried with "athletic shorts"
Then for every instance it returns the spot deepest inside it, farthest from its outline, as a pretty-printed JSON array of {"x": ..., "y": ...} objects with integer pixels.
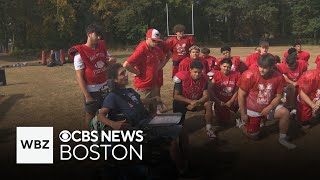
[
  {"x": 304, "y": 112},
  {"x": 253, "y": 127}
]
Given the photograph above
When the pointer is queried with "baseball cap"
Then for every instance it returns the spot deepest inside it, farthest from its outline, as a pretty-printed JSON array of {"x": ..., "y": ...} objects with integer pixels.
[{"x": 153, "y": 34}]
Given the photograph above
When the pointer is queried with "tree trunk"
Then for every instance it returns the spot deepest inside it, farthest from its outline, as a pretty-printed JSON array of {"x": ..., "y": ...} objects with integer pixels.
[
  {"x": 13, "y": 42},
  {"x": 315, "y": 37},
  {"x": 6, "y": 41}
]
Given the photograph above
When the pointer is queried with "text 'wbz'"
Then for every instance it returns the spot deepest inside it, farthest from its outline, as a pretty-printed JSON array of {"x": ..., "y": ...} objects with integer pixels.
[{"x": 115, "y": 144}]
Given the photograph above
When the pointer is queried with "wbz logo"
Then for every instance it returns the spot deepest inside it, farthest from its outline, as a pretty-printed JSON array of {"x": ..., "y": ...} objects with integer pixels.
[{"x": 34, "y": 145}]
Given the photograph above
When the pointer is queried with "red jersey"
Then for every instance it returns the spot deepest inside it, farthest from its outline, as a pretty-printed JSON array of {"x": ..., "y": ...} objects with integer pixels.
[
  {"x": 310, "y": 84},
  {"x": 317, "y": 61},
  {"x": 211, "y": 61},
  {"x": 146, "y": 60},
  {"x": 235, "y": 63},
  {"x": 94, "y": 61},
  {"x": 252, "y": 60},
  {"x": 302, "y": 56},
  {"x": 260, "y": 91},
  {"x": 180, "y": 48},
  {"x": 293, "y": 75},
  {"x": 192, "y": 89},
  {"x": 185, "y": 65},
  {"x": 224, "y": 86}
]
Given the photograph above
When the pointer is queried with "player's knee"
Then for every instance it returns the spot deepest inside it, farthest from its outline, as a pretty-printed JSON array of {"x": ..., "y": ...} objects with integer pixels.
[{"x": 283, "y": 113}]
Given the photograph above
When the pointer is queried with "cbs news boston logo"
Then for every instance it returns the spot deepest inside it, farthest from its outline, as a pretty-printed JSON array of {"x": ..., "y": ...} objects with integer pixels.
[{"x": 34, "y": 145}]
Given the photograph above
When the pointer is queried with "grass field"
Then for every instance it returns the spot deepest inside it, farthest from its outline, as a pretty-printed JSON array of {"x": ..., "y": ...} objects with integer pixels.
[{"x": 41, "y": 96}]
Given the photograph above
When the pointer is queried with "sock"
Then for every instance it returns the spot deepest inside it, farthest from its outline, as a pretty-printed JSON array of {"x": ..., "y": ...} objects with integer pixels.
[
  {"x": 208, "y": 127},
  {"x": 283, "y": 141},
  {"x": 281, "y": 135}
]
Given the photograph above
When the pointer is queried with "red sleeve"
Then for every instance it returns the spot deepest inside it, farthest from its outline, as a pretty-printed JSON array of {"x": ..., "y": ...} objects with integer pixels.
[
  {"x": 169, "y": 44},
  {"x": 217, "y": 75},
  {"x": 307, "y": 81},
  {"x": 73, "y": 50},
  {"x": 206, "y": 77},
  {"x": 238, "y": 77},
  {"x": 246, "y": 81},
  {"x": 184, "y": 66},
  {"x": 248, "y": 60},
  {"x": 285, "y": 55},
  {"x": 307, "y": 57},
  {"x": 217, "y": 64},
  {"x": 317, "y": 59},
  {"x": 181, "y": 75},
  {"x": 205, "y": 65},
  {"x": 237, "y": 61},
  {"x": 136, "y": 57},
  {"x": 304, "y": 66},
  {"x": 284, "y": 60},
  {"x": 191, "y": 40},
  {"x": 281, "y": 68}
]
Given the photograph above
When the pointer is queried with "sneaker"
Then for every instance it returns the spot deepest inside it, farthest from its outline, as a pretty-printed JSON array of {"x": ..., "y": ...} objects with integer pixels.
[
  {"x": 293, "y": 112},
  {"x": 239, "y": 123},
  {"x": 305, "y": 125},
  {"x": 286, "y": 143},
  {"x": 211, "y": 135}
]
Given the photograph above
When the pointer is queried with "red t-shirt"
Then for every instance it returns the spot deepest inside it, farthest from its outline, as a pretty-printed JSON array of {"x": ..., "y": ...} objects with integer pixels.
[
  {"x": 94, "y": 61},
  {"x": 211, "y": 61},
  {"x": 185, "y": 65},
  {"x": 252, "y": 60},
  {"x": 192, "y": 89},
  {"x": 224, "y": 86},
  {"x": 235, "y": 63},
  {"x": 309, "y": 82},
  {"x": 146, "y": 60},
  {"x": 302, "y": 56},
  {"x": 180, "y": 48},
  {"x": 295, "y": 74},
  {"x": 317, "y": 61},
  {"x": 260, "y": 91}
]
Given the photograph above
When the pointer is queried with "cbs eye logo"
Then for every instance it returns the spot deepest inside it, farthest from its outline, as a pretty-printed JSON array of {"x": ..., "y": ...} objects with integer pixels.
[{"x": 65, "y": 136}]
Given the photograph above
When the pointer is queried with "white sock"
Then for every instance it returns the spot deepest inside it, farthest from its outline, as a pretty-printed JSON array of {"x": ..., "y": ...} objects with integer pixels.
[
  {"x": 283, "y": 141},
  {"x": 281, "y": 135},
  {"x": 208, "y": 127}
]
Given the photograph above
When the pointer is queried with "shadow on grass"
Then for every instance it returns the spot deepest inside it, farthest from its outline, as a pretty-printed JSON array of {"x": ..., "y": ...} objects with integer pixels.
[{"x": 9, "y": 103}]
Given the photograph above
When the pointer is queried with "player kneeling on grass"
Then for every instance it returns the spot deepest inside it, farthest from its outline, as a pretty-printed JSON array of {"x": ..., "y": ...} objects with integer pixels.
[
  {"x": 309, "y": 97},
  {"x": 127, "y": 102},
  {"x": 291, "y": 71},
  {"x": 223, "y": 91},
  {"x": 191, "y": 94},
  {"x": 259, "y": 96}
]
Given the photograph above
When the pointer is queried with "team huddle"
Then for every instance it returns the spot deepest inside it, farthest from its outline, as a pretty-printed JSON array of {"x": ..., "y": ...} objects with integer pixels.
[{"x": 262, "y": 87}]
